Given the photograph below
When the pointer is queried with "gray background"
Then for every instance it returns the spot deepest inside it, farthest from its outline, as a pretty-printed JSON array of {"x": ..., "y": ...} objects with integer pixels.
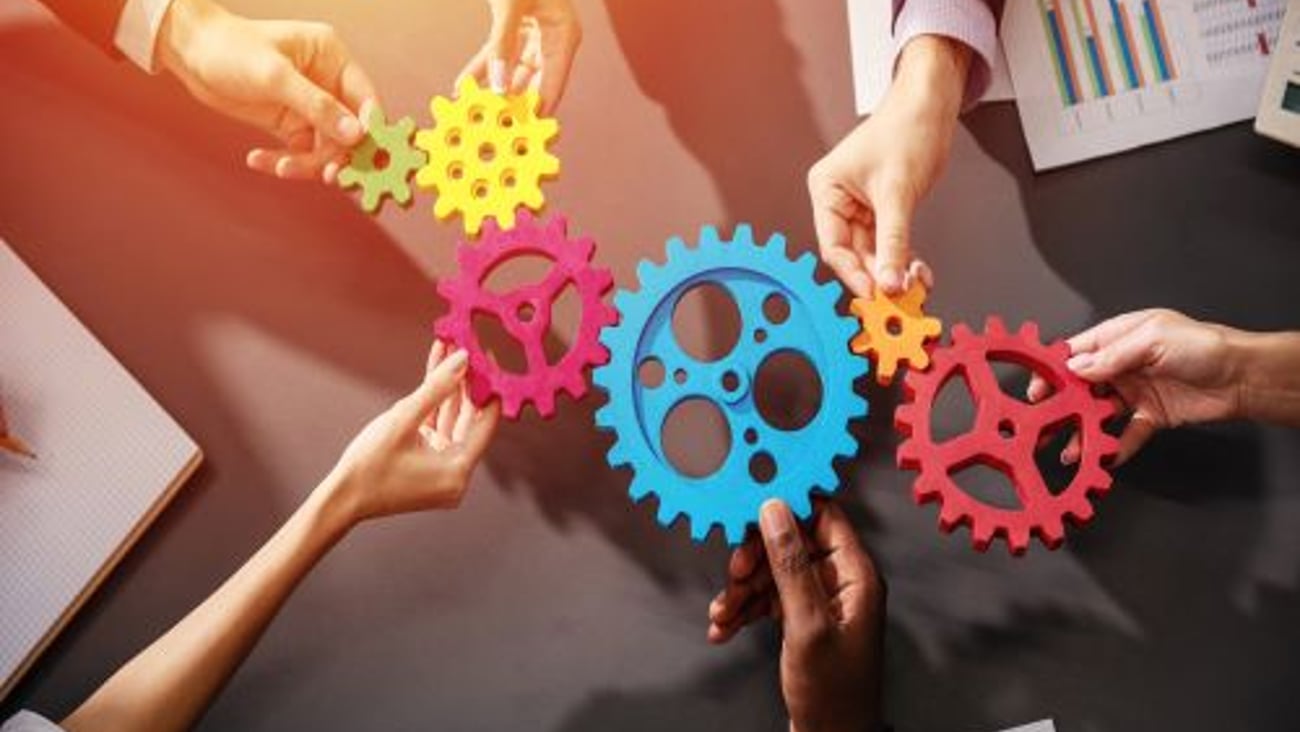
[{"x": 273, "y": 319}]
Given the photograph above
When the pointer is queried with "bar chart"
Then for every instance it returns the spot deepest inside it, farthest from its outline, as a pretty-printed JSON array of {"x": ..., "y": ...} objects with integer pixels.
[
  {"x": 1103, "y": 47},
  {"x": 1095, "y": 77}
]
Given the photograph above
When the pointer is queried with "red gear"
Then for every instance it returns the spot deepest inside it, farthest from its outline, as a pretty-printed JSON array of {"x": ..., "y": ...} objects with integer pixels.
[
  {"x": 525, "y": 312},
  {"x": 1005, "y": 436}
]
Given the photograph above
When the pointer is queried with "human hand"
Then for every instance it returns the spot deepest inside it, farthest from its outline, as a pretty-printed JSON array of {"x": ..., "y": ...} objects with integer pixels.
[
  {"x": 293, "y": 79},
  {"x": 1166, "y": 368},
  {"x": 420, "y": 453},
  {"x": 824, "y": 590},
  {"x": 532, "y": 44},
  {"x": 866, "y": 189}
]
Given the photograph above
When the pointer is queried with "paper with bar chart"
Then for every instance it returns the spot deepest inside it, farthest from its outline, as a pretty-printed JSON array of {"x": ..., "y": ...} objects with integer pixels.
[{"x": 1095, "y": 77}]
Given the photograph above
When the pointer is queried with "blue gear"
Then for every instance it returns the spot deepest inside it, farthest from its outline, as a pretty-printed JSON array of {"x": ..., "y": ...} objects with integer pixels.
[{"x": 750, "y": 272}]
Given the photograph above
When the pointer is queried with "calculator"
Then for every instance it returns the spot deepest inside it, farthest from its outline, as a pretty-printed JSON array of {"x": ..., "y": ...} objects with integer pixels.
[{"x": 1279, "y": 108}]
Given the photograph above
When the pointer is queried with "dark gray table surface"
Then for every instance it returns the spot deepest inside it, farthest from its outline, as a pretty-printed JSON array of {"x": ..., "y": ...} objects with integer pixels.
[{"x": 273, "y": 319}]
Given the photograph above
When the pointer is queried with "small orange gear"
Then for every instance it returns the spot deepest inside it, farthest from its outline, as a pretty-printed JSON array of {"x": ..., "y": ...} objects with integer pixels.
[
  {"x": 894, "y": 331},
  {"x": 487, "y": 155}
]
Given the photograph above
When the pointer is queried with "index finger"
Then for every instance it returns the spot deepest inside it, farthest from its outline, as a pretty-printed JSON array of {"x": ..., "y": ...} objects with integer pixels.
[{"x": 1107, "y": 331}]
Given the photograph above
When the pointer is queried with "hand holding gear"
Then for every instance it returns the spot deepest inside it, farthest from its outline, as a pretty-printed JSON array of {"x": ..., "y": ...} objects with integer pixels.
[{"x": 894, "y": 331}]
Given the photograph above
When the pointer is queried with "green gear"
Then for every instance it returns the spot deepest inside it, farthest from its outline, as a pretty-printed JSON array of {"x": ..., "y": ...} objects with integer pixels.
[{"x": 377, "y": 177}]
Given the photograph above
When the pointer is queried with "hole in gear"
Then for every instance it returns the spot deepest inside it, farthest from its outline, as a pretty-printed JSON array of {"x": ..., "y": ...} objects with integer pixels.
[
  {"x": 988, "y": 485},
  {"x": 679, "y": 376},
  {"x": 380, "y": 160},
  {"x": 762, "y": 468},
  {"x": 696, "y": 438},
  {"x": 453, "y": 138},
  {"x": 500, "y": 346},
  {"x": 953, "y": 413},
  {"x": 894, "y": 326},
  {"x": 520, "y": 146},
  {"x": 487, "y": 152},
  {"x": 476, "y": 115},
  {"x": 751, "y": 436},
  {"x": 1012, "y": 378},
  {"x": 508, "y": 179},
  {"x": 455, "y": 171},
  {"x": 1047, "y": 455},
  {"x": 776, "y": 308},
  {"x": 480, "y": 189},
  {"x": 651, "y": 373},
  {"x": 506, "y": 120},
  {"x": 706, "y": 322},
  {"x": 787, "y": 391},
  {"x": 515, "y": 272},
  {"x": 730, "y": 381}
]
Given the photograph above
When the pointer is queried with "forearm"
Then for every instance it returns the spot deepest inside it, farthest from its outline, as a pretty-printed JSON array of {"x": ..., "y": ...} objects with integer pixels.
[
  {"x": 1269, "y": 376},
  {"x": 169, "y": 684}
]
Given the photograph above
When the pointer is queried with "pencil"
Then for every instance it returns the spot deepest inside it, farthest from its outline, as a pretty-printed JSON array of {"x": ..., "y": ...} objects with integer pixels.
[{"x": 12, "y": 443}]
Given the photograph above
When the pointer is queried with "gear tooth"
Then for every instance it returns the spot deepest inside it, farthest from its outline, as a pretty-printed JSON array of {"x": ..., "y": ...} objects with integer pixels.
[
  {"x": 806, "y": 265},
  {"x": 623, "y": 300},
  {"x": 544, "y": 403},
  {"x": 700, "y": 531},
  {"x": 993, "y": 326},
  {"x": 709, "y": 237},
  {"x": 511, "y": 406},
  {"x": 908, "y": 455},
  {"x": 667, "y": 513},
  {"x": 845, "y": 446},
  {"x": 646, "y": 271},
  {"x": 676, "y": 248},
  {"x": 735, "y": 532},
  {"x": 950, "y": 517},
  {"x": 1051, "y": 531},
  {"x": 1079, "y": 512},
  {"x": 1017, "y": 540},
  {"x": 801, "y": 504},
  {"x": 981, "y": 535},
  {"x": 924, "y": 491},
  {"x": 604, "y": 417},
  {"x": 961, "y": 332},
  {"x": 744, "y": 233},
  {"x": 638, "y": 491},
  {"x": 1029, "y": 331}
]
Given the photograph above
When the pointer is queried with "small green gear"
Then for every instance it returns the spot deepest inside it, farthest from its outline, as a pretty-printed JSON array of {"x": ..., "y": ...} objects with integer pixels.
[{"x": 383, "y": 163}]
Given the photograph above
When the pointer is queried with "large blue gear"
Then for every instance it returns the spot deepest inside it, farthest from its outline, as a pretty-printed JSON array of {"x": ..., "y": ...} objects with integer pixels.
[{"x": 750, "y": 272}]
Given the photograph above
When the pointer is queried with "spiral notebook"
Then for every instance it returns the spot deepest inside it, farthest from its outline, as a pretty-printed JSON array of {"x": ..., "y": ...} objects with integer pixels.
[{"x": 108, "y": 460}]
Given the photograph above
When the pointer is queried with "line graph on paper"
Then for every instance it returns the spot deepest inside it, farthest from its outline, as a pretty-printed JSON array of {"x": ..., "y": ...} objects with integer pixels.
[{"x": 1233, "y": 31}]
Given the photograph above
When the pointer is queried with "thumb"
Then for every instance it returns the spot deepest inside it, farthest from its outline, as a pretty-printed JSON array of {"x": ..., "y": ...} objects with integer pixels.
[
  {"x": 803, "y": 600},
  {"x": 893, "y": 214},
  {"x": 439, "y": 383},
  {"x": 503, "y": 45},
  {"x": 331, "y": 119}
]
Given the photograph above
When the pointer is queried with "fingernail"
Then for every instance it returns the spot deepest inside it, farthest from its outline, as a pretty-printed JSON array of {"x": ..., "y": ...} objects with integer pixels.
[
  {"x": 348, "y": 127},
  {"x": 890, "y": 280},
  {"x": 1068, "y": 457},
  {"x": 497, "y": 75},
  {"x": 457, "y": 360},
  {"x": 775, "y": 518},
  {"x": 1079, "y": 362}
]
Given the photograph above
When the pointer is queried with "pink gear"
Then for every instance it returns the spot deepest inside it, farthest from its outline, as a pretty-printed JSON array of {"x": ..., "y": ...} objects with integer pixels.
[
  {"x": 526, "y": 313},
  {"x": 1005, "y": 437}
]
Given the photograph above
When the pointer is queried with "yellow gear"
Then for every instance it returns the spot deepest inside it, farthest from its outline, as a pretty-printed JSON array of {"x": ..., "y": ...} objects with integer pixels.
[
  {"x": 894, "y": 331},
  {"x": 487, "y": 155}
]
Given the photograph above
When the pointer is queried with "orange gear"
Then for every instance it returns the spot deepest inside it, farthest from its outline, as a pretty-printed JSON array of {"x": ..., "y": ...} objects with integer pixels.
[{"x": 894, "y": 331}]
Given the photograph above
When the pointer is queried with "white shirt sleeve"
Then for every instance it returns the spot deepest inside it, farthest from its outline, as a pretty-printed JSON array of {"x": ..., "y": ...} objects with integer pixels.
[
  {"x": 137, "y": 30},
  {"x": 29, "y": 722}
]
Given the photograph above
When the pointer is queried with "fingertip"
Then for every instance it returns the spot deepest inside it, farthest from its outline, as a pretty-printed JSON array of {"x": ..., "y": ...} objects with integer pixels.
[
  {"x": 890, "y": 280},
  {"x": 1081, "y": 363},
  {"x": 348, "y": 129}
]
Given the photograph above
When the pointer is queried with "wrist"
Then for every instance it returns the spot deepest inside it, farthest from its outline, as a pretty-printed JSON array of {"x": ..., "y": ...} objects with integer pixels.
[
  {"x": 931, "y": 75},
  {"x": 1266, "y": 375},
  {"x": 182, "y": 24},
  {"x": 333, "y": 505}
]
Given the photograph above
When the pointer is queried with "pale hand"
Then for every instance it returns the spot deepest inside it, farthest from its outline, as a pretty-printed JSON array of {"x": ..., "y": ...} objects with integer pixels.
[
  {"x": 420, "y": 453},
  {"x": 1166, "y": 369},
  {"x": 865, "y": 191},
  {"x": 532, "y": 44},
  {"x": 293, "y": 79}
]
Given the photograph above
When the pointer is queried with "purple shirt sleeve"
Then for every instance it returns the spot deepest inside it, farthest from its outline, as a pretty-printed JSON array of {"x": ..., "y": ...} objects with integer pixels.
[{"x": 972, "y": 22}]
